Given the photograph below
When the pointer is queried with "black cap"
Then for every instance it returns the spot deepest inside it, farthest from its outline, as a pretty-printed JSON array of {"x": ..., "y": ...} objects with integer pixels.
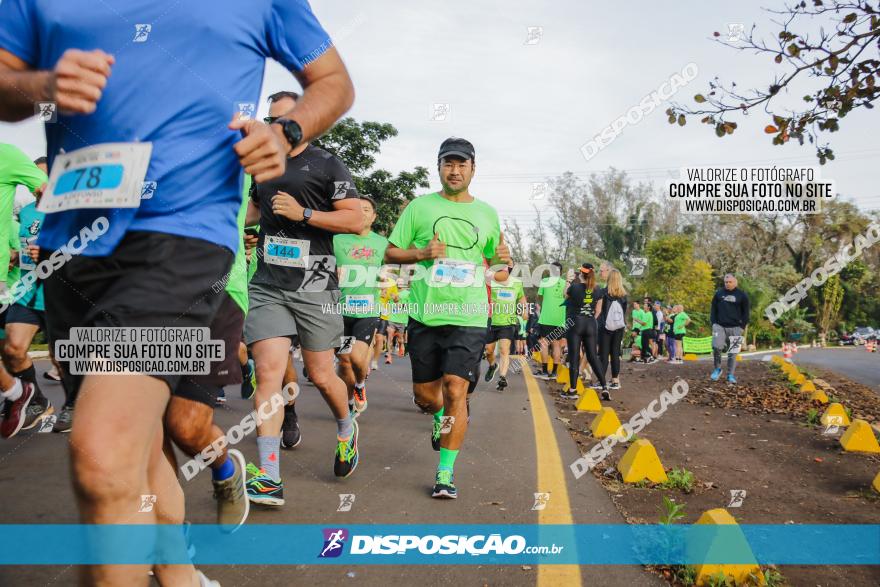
[{"x": 456, "y": 147}]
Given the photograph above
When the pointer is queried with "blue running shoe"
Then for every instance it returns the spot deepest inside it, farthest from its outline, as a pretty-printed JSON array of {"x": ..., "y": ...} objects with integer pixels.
[
  {"x": 731, "y": 379},
  {"x": 715, "y": 375}
]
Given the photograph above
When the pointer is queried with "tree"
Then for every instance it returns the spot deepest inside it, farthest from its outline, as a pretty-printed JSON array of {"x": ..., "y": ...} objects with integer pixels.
[
  {"x": 839, "y": 60},
  {"x": 357, "y": 144},
  {"x": 832, "y": 298}
]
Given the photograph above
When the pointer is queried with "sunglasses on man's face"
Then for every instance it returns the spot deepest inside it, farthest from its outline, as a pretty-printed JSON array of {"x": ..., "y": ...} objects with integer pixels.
[{"x": 270, "y": 119}]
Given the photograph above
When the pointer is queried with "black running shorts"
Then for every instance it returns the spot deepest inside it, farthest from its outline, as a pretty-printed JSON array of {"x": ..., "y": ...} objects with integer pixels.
[
  {"x": 497, "y": 333},
  {"x": 551, "y": 332},
  {"x": 21, "y": 314},
  {"x": 435, "y": 351},
  {"x": 361, "y": 329},
  {"x": 227, "y": 326},
  {"x": 152, "y": 279}
]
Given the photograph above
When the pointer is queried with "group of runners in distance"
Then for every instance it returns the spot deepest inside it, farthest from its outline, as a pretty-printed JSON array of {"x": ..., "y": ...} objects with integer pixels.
[{"x": 250, "y": 231}]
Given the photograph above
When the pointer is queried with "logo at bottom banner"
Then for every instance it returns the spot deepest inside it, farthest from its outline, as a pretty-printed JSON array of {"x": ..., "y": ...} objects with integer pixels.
[
  {"x": 492, "y": 544},
  {"x": 334, "y": 541}
]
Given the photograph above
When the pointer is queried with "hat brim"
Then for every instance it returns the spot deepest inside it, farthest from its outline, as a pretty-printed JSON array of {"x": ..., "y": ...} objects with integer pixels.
[{"x": 460, "y": 154}]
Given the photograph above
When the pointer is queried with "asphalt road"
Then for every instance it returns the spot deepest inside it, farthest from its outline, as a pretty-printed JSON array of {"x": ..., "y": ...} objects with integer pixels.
[
  {"x": 514, "y": 448},
  {"x": 853, "y": 362}
]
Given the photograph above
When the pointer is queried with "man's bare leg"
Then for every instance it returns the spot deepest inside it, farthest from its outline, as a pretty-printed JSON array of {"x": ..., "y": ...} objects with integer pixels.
[
  {"x": 111, "y": 443},
  {"x": 170, "y": 508}
]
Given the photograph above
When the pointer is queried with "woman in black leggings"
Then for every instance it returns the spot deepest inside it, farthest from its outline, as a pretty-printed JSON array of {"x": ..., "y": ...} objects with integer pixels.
[
  {"x": 609, "y": 340},
  {"x": 581, "y": 312}
]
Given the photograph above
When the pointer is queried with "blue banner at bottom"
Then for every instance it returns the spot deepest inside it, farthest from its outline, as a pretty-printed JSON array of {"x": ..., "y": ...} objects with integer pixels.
[{"x": 279, "y": 544}]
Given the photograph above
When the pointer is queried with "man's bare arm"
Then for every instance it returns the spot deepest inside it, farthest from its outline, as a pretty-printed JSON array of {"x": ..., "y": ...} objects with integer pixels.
[
  {"x": 328, "y": 94},
  {"x": 75, "y": 84}
]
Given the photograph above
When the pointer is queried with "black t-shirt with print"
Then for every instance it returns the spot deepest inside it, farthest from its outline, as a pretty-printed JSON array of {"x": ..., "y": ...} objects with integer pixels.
[
  {"x": 292, "y": 255},
  {"x": 581, "y": 302}
]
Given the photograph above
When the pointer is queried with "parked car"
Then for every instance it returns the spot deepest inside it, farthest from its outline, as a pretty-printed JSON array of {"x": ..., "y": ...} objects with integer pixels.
[
  {"x": 864, "y": 334},
  {"x": 846, "y": 339}
]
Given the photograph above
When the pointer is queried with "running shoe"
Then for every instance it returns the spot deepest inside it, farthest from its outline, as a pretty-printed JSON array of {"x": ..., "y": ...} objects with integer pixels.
[
  {"x": 435, "y": 434},
  {"x": 262, "y": 489},
  {"x": 545, "y": 375},
  {"x": 614, "y": 385},
  {"x": 345, "y": 460},
  {"x": 604, "y": 394},
  {"x": 490, "y": 372},
  {"x": 64, "y": 421},
  {"x": 731, "y": 378},
  {"x": 715, "y": 375},
  {"x": 16, "y": 411},
  {"x": 291, "y": 436},
  {"x": 220, "y": 400},
  {"x": 387, "y": 358},
  {"x": 360, "y": 398},
  {"x": 249, "y": 377},
  {"x": 570, "y": 394},
  {"x": 39, "y": 409},
  {"x": 374, "y": 365},
  {"x": 231, "y": 495},
  {"x": 52, "y": 375},
  {"x": 596, "y": 385},
  {"x": 443, "y": 485},
  {"x": 502, "y": 383}
]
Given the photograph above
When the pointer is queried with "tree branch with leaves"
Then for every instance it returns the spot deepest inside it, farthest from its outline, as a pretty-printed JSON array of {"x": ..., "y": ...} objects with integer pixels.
[{"x": 840, "y": 62}]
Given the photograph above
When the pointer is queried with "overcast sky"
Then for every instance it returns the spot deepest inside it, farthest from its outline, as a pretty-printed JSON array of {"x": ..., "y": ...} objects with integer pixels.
[{"x": 529, "y": 107}]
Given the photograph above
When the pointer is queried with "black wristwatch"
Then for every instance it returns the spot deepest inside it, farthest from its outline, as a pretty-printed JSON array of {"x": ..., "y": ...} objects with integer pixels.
[
  {"x": 292, "y": 131},
  {"x": 307, "y": 215}
]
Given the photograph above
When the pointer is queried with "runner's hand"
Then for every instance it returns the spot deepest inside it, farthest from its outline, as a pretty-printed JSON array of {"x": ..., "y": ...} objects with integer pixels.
[
  {"x": 502, "y": 251},
  {"x": 436, "y": 249},
  {"x": 13, "y": 260},
  {"x": 250, "y": 243},
  {"x": 283, "y": 204},
  {"x": 34, "y": 252},
  {"x": 39, "y": 191},
  {"x": 79, "y": 79},
  {"x": 260, "y": 152}
]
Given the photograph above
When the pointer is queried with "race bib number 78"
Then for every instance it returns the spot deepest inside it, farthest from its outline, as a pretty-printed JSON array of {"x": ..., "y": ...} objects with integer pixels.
[{"x": 110, "y": 175}]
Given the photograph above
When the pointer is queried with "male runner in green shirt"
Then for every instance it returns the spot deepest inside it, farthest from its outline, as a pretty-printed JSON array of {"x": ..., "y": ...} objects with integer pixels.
[
  {"x": 508, "y": 303},
  {"x": 355, "y": 255},
  {"x": 447, "y": 234},
  {"x": 551, "y": 321},
  {"x": 16, "y": 169}
]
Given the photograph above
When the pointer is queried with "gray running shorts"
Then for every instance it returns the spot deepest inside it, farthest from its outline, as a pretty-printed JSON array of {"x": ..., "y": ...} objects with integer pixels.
[{"x": 312, "y": 315}]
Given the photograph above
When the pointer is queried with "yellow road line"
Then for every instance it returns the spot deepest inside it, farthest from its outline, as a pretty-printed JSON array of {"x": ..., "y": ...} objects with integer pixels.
[{"x": 551, "y": 479}]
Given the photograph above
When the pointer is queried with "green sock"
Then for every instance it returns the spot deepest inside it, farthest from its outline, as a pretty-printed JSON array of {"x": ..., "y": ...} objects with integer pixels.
[
  {"x": 447, "y": 459},
  {"x": 439, "y": 415}
]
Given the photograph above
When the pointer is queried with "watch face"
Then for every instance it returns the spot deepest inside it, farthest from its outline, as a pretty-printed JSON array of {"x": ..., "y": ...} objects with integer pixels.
[{"x": 292, "y": 132}]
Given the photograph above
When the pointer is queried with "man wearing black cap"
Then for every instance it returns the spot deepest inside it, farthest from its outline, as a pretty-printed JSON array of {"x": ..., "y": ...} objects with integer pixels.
[{"x": 448, "y": 234}]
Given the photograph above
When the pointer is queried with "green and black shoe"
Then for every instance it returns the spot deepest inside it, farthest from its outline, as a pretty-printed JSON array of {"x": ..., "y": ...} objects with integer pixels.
[
  {"x": 443, "y": 486},
  {"x": 346, "y": 458},
  {"x": 262, "y": 489}
]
